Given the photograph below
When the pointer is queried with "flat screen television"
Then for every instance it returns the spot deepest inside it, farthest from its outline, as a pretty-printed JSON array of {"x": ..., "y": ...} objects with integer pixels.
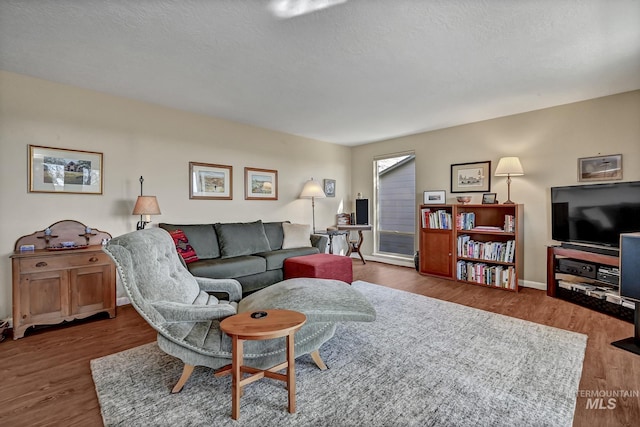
[{"x": 596, "y": 213}]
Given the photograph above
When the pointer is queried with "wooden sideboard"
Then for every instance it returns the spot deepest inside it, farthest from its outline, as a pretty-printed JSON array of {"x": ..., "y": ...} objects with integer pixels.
[{"x": 52, "y": 285}]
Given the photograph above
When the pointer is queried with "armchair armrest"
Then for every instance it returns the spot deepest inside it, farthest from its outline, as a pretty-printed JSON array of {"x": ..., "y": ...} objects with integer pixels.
[
  {"x": 319, "y": 241},
  {"x": 179, "y": 312},
  {"x": 230, "y": 286}
]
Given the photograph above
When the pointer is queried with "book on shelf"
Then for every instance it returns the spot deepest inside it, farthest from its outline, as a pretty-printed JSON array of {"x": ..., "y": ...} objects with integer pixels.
[
  {"x": 465, "y": 220},
  {"x": 509, "y": 223},
  {"x": 486, "y": 228},
  {"x": 491, "y": 275},
  {"x": 438, "y": 219},
  {"x": 490, "y": 251}
]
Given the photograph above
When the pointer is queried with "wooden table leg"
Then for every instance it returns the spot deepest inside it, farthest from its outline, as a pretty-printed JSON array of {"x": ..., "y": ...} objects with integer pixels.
[
  {"x": 347, "y": 237},
  {"x": 291, "y": 373},
  {"x": 236, "y": 363}
]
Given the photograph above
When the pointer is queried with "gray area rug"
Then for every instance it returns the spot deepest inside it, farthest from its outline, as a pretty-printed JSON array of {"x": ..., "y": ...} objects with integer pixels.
[{"x": 423, "y": 362}]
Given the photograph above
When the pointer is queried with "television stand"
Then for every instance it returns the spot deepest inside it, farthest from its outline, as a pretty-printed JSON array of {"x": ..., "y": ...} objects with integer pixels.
[
  {"x": 632, "y": 344},
  {"x": 555, "y": 276},
  {"x": 592, "y": 249}
]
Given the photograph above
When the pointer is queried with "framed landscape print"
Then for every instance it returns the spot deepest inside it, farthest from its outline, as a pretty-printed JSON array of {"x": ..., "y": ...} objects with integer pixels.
[
  {"x": 210, "y": 182},
  {"x": 471, "y": 177},
  {"x": 57, "y": 170},
  {"x": 260, "y": 184},
  {"x": 601, "y": 168}
]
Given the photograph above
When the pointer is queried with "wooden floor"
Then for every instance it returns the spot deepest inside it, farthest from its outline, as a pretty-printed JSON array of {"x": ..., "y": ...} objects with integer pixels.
[{"x": 46, "y": 381}]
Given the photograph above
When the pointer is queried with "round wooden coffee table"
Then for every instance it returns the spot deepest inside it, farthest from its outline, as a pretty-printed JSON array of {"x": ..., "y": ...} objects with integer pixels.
[{"x": 262, "y": 325}]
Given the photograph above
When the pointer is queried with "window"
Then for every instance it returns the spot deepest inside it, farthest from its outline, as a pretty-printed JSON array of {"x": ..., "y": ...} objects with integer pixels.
[{"x": 395, "y": 205}]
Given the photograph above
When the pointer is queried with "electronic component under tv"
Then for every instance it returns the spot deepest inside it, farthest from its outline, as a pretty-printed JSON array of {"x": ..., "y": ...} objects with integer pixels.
[{"x": 595, "y": 214}]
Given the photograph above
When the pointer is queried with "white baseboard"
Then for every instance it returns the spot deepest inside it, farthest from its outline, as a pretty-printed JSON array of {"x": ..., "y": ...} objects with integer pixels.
[
  {"x": 532, "y": 284},
  {"x": 122, "y": 301},
  {"x": 387, "y": 260}
]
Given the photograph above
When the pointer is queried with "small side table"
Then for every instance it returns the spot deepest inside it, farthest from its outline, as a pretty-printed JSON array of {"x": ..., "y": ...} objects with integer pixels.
[
  {"x": 355, "y": 245},
  {"x": 276, "y": 324}
]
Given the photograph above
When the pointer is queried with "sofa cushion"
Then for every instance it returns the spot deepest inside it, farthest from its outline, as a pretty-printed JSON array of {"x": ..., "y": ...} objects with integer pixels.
[
  {"x": 241, "y": 238},
  {"x": 202, "y": 237},
  {"x": 275, "y": 259},
  {"x": 274, "y": 233},
  {"x": 185, "y": 250},
  {"x": 296, "y": 236},
  {"x": 228, "y": 268}
]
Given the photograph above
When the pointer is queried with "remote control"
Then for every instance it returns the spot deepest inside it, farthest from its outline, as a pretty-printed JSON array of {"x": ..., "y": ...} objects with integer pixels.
[{"x": 259, "y": 314}]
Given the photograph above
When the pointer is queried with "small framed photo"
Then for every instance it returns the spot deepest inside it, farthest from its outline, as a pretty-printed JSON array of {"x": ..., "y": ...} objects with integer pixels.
[
  {"x": 601, "y": 168},
  {"x": 489, "y": 199},
  {"x": 260, "y": 184},
  {"x": 471, "y": 177},
  {"x": 437, "y": 197},
  {"x": 210, "y": 182},
  {"x": 329, "y": 187},
  {"x": 57, "y": 170}
]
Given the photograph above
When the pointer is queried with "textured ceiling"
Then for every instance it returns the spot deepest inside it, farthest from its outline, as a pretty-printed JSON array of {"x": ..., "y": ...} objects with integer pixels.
[{"x": 361, "y": 71}]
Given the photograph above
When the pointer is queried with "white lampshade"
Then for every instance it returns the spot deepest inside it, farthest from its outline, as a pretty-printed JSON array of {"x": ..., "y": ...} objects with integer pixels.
[
  {"x": 312, "y": 189},
  {"x": 146, "y": 205},
  {"x": 509, "y": 166}
]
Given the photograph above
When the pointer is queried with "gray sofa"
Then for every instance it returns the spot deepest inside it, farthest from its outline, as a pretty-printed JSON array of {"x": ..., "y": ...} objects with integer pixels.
[{"x": 249, "y": 252}]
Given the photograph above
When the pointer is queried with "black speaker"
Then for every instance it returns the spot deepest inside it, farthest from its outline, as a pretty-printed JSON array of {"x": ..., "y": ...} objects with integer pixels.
[
  {"x": 362, "y": 211},
  {"x": 630, "y": 285},
  {"x": 630, "y": 266}
]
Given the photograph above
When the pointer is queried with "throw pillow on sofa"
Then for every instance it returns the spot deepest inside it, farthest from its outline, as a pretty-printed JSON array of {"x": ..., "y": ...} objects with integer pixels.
[
  {"x": 296, "y": 235},
  {"x": 183, "y": 247},
  {"x": 241, "y": 238}
]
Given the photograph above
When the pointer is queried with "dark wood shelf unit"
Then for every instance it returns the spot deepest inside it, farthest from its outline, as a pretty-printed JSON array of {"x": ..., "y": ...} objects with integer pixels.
[{"x": 439, "y": 248}]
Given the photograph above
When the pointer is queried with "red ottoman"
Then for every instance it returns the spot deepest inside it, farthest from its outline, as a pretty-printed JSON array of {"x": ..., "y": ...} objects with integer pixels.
[{"x": 320, "y": 266}]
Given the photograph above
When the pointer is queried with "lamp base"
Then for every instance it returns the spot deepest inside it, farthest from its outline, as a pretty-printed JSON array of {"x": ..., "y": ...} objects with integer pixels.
[
  {"x": 508, "y": 202},
  {"x": 141, "y": 224}
]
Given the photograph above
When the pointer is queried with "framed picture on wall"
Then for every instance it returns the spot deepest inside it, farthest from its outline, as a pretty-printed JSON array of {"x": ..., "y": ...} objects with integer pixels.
[
  {"x": 59, "y": 170},
  {"x": 260, "y": 184},
  {"x": 471, "y": 177},
  {"x": 330, "y": 187},
  {"x": 210, "y": 182},
  {"x": 600, "y": 168}
]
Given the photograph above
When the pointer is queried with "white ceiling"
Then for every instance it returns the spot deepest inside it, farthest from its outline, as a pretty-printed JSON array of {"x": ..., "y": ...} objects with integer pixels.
[{"x": 361, "y": 71}]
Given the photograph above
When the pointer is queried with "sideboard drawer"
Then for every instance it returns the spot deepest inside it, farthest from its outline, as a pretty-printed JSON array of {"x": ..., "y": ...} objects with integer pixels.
[{"x": 48, "y": 263}]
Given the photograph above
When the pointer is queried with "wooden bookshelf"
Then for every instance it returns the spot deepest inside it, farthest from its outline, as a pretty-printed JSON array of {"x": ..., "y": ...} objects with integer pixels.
[{"x": 483, "y": 247}]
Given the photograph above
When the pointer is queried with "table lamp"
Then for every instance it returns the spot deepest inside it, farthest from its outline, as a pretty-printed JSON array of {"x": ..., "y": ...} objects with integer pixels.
[
  {"x": 147, "y": 206},
  {"x": 509, "y": 166}
]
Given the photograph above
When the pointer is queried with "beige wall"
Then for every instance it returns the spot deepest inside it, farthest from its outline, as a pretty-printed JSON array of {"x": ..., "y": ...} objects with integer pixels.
[
  {"x": 548, "y": 142},
  {"x": 158, "y": 143},
  {"x": 143, "y": 139}
]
